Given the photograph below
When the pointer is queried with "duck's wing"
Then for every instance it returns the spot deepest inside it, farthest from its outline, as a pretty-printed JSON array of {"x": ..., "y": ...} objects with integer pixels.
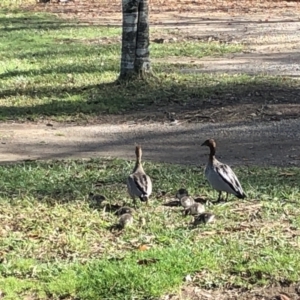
[
  {"x": 228, "y": 176},
  {"x": 139, "y": 184},
  {"x": 149, "y": 185}
]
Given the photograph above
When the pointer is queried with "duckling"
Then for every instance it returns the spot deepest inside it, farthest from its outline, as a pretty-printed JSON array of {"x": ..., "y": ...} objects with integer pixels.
[
  {"x": 187, "y": 201},
  {"x": 125, "y": 220},
  {"x": 139, "y": 183},
  {"x": 195, "y": 209},
  {"x": 220, "y": 176},
  {"x": 124, "y": 210},
  {"x": 184, "y": 198},
  {"x": 181, "y": 193},
  {"x": 204, "y": 218},
  {"x": 96, "y": 199}
]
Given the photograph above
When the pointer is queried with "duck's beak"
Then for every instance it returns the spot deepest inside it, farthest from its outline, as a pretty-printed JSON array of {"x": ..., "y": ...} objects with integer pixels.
[{"x": 203, "y": 144}]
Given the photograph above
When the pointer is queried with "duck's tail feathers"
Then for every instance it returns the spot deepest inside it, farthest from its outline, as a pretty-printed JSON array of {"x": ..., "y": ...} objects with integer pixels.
[{"x": 241, "y": 195}]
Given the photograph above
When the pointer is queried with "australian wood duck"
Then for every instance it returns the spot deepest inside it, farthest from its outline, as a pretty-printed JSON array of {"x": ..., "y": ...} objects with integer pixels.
[
  {"x": 139, "y": 183},
  {"x": 220, "y": 176}
]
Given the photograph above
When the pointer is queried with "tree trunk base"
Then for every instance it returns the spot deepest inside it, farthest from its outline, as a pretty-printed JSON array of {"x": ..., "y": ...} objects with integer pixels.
[{"x": 134, "y": 75}]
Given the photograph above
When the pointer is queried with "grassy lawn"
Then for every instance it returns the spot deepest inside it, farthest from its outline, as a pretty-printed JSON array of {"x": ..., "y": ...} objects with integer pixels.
[
  {"x": 58, "y": 69},
  {"x": 55, "y": 244},
  {"x": 64, "y": 70}
]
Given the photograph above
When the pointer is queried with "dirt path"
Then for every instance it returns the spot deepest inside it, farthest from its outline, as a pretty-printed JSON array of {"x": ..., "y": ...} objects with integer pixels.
[
  {"x": 271, "y": 43},
  {"x": 269, "y": 143}
]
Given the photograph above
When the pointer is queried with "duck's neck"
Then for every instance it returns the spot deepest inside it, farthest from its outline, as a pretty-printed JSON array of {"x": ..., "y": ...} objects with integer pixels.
[
  {"x": 212, "y": 153},
  {"x": 138, "y": 165}
]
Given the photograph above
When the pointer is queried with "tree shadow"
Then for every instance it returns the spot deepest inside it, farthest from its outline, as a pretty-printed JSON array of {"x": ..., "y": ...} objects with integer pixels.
[
  {"x": 147, "y": 98},
  {"x": 27, "y": 21},
  {"x": 173, "y": 91},
  {"x": 64, "y": 68},
  {"x": 226, "y": 21},
  {"x": 47, "y": 22},
  {"x": 245, "y": 143}
]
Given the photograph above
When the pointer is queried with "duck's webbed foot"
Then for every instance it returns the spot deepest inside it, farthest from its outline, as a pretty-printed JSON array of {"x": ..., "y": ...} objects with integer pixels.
[
  {"x": 226, "y": 196},
  {"x": 220, "y": 198}
]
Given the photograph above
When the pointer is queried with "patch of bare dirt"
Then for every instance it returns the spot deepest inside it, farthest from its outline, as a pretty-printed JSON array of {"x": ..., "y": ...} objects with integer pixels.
[
  {"x": 271, "y": 293},
  {"x": 216, "y": 113},
  {"x": 243, "y": 143}
]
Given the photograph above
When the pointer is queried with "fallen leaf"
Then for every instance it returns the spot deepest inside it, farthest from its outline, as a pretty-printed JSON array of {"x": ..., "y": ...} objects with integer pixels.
[{"x": 143, "y": 247}]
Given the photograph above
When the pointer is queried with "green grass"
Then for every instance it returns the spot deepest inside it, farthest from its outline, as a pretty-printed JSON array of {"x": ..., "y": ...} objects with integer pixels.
[
  {"x": 56, "y": 244},
  {"x": 64, "y": 70},
  {"x": 57, "y": 69}
]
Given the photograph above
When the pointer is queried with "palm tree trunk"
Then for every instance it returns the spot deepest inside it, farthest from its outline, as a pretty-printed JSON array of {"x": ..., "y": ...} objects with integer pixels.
[{"x": 135, "y": 60}]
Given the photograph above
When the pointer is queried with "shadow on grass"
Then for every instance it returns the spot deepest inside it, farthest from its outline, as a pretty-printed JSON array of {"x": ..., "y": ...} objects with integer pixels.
[
  {"x": 29, "y": 21},
  {"x": 46, "y": 50},
  {"x": 71, "y": 68},
  {"x": 203, "y": 92},
  {"x": 57, "y": 75},
  {"x": 269, "y": 144}
]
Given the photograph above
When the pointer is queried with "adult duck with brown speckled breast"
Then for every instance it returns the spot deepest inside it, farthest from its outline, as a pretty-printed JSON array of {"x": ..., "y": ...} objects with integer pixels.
[
  {"x": 139, "y": 183},
  {"x": 220, "y": 176}
]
